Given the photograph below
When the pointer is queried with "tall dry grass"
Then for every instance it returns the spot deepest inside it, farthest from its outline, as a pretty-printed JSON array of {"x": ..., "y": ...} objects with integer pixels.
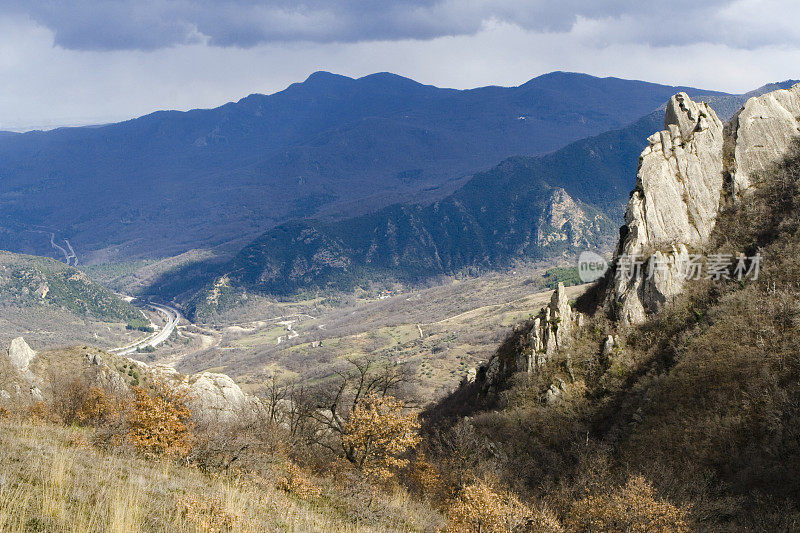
[{"x": 52, "y": 479}]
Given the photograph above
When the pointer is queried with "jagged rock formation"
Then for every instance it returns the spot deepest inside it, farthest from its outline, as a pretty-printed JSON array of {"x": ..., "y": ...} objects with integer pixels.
[
  {"x": 761, "y": 132},
  {"x": 551, "y": 328},
  {"x": 672, "y": 209},
  {"x": 537, "y": 342},
  {"x": 686, "y": 173},
  {"x": 680, "y": 185}
]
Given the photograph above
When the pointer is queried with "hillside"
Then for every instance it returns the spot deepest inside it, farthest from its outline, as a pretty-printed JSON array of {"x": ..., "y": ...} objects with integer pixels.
[
  {"x": 171, "y": 181},
  {"x": 70, "y": 465},
  {"x": 56, "y": 304},
  {"x": 61, "y": 483},
  {"x": 640, "y": 381},
  {"x": 526, "y": 208}
]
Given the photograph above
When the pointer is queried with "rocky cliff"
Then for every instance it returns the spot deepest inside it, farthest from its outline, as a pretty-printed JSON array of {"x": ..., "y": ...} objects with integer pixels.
[
  {"x": 761, "y": 132},
  {"x": 686, "y": 173}
]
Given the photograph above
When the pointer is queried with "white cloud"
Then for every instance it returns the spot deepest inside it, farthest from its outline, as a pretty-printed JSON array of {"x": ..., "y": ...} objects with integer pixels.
[
  {"x": 153, "y": 24},
  {"x": 46, "y": 85}
]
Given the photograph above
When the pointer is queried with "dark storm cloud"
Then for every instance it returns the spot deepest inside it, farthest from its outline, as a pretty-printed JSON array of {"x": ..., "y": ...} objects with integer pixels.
[{"x": 152, "y": 24}]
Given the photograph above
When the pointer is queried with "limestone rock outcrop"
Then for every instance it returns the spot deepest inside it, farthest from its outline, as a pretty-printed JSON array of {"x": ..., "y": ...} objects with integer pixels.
[
  {"x": 761, "y": 133},
  {"x": 672, "y": 209},
  {"x": 20, "y": 355},
  {"x": 680, "y": 186},
  {"x": 551, "y": 328},
  {"x": 548, "y": 332},
  {"x": 686, "y": 173},
  {"x": 216, "y": 396}
]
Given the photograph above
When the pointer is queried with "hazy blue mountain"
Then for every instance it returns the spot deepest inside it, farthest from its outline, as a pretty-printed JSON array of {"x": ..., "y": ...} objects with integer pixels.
[
  {"x": 332, "y": 146},
  {"x": 498, "y": 217}
]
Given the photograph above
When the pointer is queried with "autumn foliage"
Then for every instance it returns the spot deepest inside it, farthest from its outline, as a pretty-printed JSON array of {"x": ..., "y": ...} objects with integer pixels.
[
  {"x": 480, "y": 507},
  {"x": 633, "y": 507},
  {"x": 378, "y": 433},
  {"x": 160, "y": 423}
]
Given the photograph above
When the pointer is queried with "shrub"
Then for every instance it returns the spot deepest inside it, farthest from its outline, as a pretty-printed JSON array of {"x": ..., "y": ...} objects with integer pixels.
[
  {"x": 481, "y": 508},
  {"x": 632, "y": 508},
  {"x": 298, "y": 483},
  {"x": 160, "y": 422},
  {"x": 377, "y": 434},
  {"x": 423, "y": 476},
  {"x": 37, "y": 412},
  {"x": 80, "y": 403},
  {"x": 208, "y": 515},
  {"x": 96, "y": 408}
]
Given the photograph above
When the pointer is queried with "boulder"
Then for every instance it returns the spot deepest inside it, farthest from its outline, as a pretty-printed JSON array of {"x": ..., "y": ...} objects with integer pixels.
[
  {"x": 20, "y": 355},
  {"x": 216, "y": 396}
]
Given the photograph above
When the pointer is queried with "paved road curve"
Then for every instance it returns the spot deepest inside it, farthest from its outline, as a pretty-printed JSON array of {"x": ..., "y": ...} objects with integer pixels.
[{"x": 172, "y": 317}]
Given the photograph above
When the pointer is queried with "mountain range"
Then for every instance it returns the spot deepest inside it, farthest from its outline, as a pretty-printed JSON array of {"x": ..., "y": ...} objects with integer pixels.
[
  {"x": 336, "y": 180},
  {"x": 331, "y": 146}
]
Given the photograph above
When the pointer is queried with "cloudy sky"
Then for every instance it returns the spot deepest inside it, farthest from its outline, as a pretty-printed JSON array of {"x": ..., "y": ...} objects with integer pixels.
[{"x": 94, "y": 61}]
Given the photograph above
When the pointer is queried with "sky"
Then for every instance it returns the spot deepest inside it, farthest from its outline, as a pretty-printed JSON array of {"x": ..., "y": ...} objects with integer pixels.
[{"x": 78, "y": 62}]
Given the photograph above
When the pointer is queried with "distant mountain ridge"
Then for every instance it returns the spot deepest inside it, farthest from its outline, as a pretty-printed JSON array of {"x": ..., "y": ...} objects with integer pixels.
[
  {"x": 526, "y": 208},
  {"x": 332, "y": 145}
]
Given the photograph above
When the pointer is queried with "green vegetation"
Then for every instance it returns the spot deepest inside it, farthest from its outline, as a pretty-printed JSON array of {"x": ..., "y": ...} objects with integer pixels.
[
  {"x": 566, "y": 275},
  {"x": 140, "y": 324},
  {"x": 30, "y": 281}
]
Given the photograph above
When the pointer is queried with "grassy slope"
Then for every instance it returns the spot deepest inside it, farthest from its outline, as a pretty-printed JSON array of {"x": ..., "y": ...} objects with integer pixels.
[{"x": 53, "y": 480}]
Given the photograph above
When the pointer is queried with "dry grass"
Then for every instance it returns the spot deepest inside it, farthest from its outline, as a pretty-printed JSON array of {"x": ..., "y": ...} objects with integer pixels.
[
  {"x": 441, "y": 332},
  {"x": 51, "y": 479}
]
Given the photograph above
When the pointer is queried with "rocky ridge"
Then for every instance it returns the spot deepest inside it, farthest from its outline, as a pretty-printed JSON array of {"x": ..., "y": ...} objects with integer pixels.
[{"x": 686, "y": 174}]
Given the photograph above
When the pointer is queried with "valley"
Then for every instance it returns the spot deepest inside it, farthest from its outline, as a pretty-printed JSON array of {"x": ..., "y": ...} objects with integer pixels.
[
  {"x": 439, "y": 332},
  {"x": 358, "y": 305}
]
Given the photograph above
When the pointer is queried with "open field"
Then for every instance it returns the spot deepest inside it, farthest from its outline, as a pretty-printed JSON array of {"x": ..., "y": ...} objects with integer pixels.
[{"x": 440, "y": 332}]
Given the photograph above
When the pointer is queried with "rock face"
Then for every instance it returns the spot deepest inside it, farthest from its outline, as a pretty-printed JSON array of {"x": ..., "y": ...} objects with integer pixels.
[
  {"x": 20, "y": 354},
  {"x": 762, "y": 132},
  {"x": 672, "y": 209},
  {"x": 551, "y": 328},
  {"x": 216, "y": 396},
  {"x": 565, "y": 221},
  {"x": 680, "y": 185}
]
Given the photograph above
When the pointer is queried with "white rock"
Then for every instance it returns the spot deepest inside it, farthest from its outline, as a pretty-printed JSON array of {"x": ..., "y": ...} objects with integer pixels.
[
  {"x": 673, "y": 208},
  {"x": 20, "y": 354},
  {"x": 763, "y": 131},
  {"x": 216, "y": 396}
]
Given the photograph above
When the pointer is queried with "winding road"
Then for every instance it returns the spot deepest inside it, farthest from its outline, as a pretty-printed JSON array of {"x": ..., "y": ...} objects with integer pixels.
[{"x": 171, "y": 315}]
